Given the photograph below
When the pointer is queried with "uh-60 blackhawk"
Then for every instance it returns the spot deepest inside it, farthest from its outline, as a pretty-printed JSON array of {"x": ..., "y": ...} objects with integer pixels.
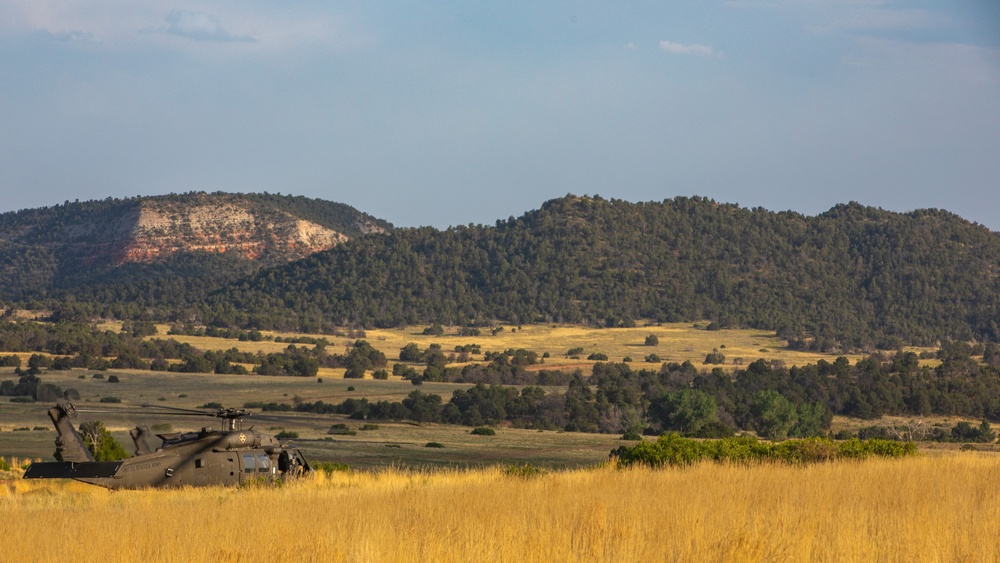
[{"x": 229, "y": 456}]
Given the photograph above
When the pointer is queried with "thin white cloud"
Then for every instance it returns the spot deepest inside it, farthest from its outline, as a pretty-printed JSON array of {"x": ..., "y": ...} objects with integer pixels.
[
  {"x": 200, "y": 26},
  {"x": 690, "y": 49},
  {"x": 630, "y": 46},
  {"x": 126, "y": 23},
  {"x": 70, "y": 36},
  {"x": 876, "y": 20}
]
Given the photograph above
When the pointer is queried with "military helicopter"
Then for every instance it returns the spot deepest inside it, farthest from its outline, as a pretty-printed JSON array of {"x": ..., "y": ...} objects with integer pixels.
[{"x": 229, "y": 456}]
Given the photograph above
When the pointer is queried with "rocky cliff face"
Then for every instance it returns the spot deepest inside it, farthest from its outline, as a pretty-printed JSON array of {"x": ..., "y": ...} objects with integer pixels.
[
  {"x": 157, "y": 232},
  {"x": 144, "y": 230}
]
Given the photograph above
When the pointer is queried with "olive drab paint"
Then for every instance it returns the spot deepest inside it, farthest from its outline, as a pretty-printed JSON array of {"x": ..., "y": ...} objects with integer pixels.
[{"x": 229, "y": 456}]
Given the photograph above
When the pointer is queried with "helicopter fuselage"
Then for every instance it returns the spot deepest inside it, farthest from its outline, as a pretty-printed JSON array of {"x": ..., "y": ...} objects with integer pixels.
[{"x": 206, "y": 457}]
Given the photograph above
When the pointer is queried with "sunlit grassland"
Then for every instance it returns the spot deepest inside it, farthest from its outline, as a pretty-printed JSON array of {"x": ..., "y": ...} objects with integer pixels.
[
  {"x": 678, "y": 342},
  {"x": 920, "y": 509},
  {"x": 391, "y": 443}
]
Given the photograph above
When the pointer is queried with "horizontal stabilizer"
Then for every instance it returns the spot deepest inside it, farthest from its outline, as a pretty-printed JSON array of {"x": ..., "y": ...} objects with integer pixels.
[{"x": 70, "y": 470}]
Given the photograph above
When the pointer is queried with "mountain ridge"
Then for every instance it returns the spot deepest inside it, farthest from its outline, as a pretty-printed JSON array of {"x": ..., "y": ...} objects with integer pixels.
[
  {"x": 853, "y": 277},
  {"x": 65, "y": 244}
]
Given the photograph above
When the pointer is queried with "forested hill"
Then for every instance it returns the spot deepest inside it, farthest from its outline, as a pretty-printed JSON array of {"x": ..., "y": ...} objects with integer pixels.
[
  {"x": 849, "y": 278},
  {"x": 214, "y": 238}
]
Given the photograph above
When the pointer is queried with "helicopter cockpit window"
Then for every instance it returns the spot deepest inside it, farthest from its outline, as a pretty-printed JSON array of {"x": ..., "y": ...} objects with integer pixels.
[
  {"x": 263, "y": 463},
  {"x": 248, "y": 463}
]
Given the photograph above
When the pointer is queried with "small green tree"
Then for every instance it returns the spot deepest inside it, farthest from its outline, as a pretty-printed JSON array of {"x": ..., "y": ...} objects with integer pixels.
[
  {"x": 685, "y": 411},
  {"x": 715, "y": 358},
  {"x": 434, "y": 330},
  {"x": 652, "y": 340},
  {"x": 100, "y": 442},
  {"x": 773, "y": 415}
]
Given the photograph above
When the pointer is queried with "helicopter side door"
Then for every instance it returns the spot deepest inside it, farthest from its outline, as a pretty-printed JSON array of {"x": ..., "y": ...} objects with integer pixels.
[
  {"x": 256, "y": 465},
  {"x": 248, "y": 466}
]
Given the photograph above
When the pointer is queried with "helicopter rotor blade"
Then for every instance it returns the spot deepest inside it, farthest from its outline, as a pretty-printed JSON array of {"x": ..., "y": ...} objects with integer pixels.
[
  {"x": 291, "y": 418},
  {"x": 191, "y": 412},
  {"x": 111, "y": 411}
]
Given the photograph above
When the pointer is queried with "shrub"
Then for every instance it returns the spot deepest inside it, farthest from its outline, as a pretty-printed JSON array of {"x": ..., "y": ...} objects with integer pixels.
[
  {"x": 22, "y": 399},
  {"x": 575, "y": 351},
  {"x": 113, "y": 379},
  {"x": 380, "y": 374},
  {"x": 672, "y": 449},
  {"x": 599, "y": 356},
  {"x": 434, "y": 330},
  {"x": 354, "y": 372},
  {"x": 433, "y": 445},
  {"x": 653, "y": 358},
  {"x": 652, "y": 340},
  {"x": 483, "y": 431},
  {"x": 286, "y": 435},
  {"x": 368, "y": 427},
  {"x": 328, "y": 467},
  {"x": 341, "y": 429},
  {"x": 715, "y": 358},
  {"x": 110, "y": 400},
  {"x": 714, "y": 429},
  {"x": 211, "y": 405}
]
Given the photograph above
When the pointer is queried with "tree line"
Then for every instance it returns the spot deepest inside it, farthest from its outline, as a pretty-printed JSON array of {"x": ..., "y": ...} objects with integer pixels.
[
  {"x": 768, "y": 398},
  {"x": 69, "y": 345}
]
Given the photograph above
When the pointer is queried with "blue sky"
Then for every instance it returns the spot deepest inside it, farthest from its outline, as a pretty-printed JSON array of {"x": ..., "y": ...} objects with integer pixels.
[{"x": 444, "y": 113}]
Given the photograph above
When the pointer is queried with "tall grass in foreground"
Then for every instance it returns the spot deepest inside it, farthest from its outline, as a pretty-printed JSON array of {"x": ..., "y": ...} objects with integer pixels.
[{"x": 915, "y": 509}]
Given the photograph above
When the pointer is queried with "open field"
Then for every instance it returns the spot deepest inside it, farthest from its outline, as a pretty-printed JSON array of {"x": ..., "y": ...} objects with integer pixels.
[
  {"x": 678, "y": 342},
  {"x": 919, "y": 509},
  {"x": 392, "y": 443}
]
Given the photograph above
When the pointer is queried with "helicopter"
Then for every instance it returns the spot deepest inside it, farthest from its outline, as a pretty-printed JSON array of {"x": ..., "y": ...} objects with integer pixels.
[{"x": 230, "y": 456}]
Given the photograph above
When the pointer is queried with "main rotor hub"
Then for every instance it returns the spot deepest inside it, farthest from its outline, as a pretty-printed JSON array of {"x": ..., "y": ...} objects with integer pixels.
[{"x": 232, "y": 413}]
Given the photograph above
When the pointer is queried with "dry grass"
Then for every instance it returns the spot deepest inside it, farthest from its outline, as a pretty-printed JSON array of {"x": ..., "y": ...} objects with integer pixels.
[
  {"x": 678, "y": 342},
  {"x": 923, "y": 509}
]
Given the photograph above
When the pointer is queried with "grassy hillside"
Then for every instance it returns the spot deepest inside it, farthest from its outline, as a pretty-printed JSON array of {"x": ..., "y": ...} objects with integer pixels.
[{"x": 851, "y": 278}]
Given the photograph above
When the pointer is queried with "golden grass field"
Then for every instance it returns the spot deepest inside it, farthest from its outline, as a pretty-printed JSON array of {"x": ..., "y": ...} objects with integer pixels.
[
  {"x": 941, "y": 508},
  {"x": 678, "y": 342}
]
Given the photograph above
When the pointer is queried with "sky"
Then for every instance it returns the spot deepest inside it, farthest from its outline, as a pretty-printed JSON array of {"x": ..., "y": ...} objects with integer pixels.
[{"x": 454, "y": 112}]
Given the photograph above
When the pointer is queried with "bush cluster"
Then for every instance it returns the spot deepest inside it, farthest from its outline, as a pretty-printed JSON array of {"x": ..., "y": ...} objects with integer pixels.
[{"x": 671, "y": 449}]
